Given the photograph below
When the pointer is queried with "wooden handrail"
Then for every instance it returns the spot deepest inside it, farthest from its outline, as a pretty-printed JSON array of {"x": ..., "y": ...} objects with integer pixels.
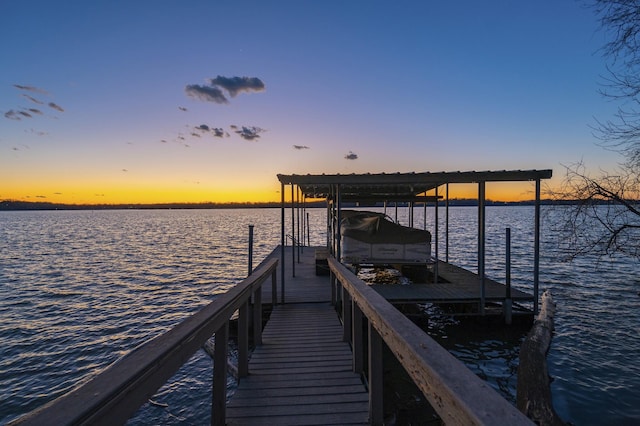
[
  {"x": 116, "y": 393},
  {"x": 457, "y": 395}
]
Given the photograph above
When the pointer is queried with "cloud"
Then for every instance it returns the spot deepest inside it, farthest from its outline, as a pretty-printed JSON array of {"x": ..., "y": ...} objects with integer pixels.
[
  {"x": 235, "y": 85},
  {"x": 232, "y": 85},
  {"x": 37, "y": 132},
  {"x": 301, "y": 147},
  {"x": 219, "y": 133},
  {"x": 23, "y": 113},
  {"x": 31, "y": 89},
  {"x": 248, "y": 133},
  {"x": 12, "y": 115},
  {"x": 351, "y": 156},
  {"x": 182, "y": 108},
  {"x": 56, "y": 107},
  {"x": 32, "y": 99},
  {"x": 206, "y": 93}
]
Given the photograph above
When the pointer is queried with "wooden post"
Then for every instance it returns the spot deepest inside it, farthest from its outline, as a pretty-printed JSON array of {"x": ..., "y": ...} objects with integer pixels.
[
  {"x": 243, "y": 340},
  {"x": 376, "y": 411},
  {"x": 533, "y": 393},
  {"x": 346, "y": 315},
  {"x": 357, "y": 339},
  {"x": 219, "y": 403},
  {"x": 250, "y": 260},
  {"x": 274, "y": 289},
  {"x": 334, "y": 298},
  {"x": 257, "y": 317}
]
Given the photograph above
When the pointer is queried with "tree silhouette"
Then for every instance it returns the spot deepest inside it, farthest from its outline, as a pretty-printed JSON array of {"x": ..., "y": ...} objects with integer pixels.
[{"x": 605, "y": 218}]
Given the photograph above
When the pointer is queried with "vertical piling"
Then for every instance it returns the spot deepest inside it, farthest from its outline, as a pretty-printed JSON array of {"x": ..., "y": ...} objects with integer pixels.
[
  {"x": 250, "y": 260},
  {"x": 507, "y": 301}
]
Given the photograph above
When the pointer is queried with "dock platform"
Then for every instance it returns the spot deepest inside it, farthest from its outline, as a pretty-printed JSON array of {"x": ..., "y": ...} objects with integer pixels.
[{"x": 462, "y": 287}]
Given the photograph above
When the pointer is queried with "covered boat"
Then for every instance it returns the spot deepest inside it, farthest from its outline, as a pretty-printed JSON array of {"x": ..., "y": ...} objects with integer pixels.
[{"x": 369, "y": 237}]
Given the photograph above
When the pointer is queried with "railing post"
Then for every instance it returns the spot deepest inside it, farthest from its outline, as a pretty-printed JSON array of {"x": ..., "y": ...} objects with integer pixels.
[
  {"x": 243, "y": 340},
  {"x": 376, "y": 411},
  {"x": 346, "y": 315},
  {"x": 219, "y": 403},
  {"x": 339, "y": 301},
  {"x": 334, "y": 298},
  {"x": 274, "y": 289},
  {"x": 357, "y": 342},
  {"x": 257, "y": 317}
]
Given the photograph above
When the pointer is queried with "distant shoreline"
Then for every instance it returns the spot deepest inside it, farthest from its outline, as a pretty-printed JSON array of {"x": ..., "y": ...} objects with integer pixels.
[{"x": 11, "y": 205}]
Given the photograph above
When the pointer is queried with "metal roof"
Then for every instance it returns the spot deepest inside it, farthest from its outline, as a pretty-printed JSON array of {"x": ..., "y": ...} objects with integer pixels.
[{"x": 399, "y": 186}]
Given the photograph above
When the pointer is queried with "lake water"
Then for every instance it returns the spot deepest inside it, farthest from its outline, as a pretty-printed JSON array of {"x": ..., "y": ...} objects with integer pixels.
[{"x": 81, "y": 288}]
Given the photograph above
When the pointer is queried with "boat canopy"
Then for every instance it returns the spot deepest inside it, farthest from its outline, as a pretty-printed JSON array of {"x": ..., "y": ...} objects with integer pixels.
[{"x": 398, "y": 186}]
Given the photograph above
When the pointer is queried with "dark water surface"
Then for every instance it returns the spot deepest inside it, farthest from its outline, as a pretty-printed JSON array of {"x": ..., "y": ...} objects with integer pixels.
[{"x": 82, "y": 288}]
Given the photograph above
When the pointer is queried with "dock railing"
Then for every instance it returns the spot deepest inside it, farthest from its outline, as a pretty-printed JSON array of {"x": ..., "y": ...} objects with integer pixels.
[
  {"x": 457, "y": 395},
  {"x": 115, "y": 394}
]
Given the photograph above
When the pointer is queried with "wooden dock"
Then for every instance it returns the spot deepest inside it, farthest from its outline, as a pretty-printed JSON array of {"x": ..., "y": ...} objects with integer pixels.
[{"x": 302, "y": 373}]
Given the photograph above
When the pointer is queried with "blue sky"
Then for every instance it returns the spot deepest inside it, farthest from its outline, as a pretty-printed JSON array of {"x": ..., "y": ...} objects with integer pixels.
[{"x": 394, "y": 86}]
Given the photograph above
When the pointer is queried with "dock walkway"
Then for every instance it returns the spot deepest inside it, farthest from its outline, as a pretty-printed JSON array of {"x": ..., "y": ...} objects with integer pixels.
[{"x": 302, "y": 373}]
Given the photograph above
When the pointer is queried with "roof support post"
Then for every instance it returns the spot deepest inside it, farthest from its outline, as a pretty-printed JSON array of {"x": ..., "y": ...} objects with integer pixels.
[
  {"x": 338, "y": 236},
  {"x": 298, "y": 241},
  {"x": 293, "y": 234},
  {"x": 536, "y": 250},
  {"x": 411, "y": 214},
  {"x": 329, "y": 208},
  {"x": 481, "y": 240},
  {"x": 446, "y": 230},
  {"x": 435, "y": 268},
  {"x": 283, "y": 243}
]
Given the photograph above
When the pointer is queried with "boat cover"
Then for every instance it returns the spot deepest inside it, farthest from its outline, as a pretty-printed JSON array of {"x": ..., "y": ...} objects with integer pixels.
[{"x": 369, "y": 237}]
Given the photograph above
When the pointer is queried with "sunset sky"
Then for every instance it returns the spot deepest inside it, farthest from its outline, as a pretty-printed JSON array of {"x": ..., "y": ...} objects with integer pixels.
[{"x": 194, "y": 101}]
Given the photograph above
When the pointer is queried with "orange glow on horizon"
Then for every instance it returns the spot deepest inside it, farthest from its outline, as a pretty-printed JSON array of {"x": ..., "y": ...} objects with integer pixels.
[
  {"x": 143, "y": 194},
  {"x": 148, "y": 193}
]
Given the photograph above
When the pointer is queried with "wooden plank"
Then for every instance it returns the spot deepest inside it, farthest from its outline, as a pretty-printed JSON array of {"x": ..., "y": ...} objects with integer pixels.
[
  {"x": 291, "y": 390},
  {"x": 320, "y": 397},
  {"x": 287, "y": 382},
  {"x": 344, "y": 419}
]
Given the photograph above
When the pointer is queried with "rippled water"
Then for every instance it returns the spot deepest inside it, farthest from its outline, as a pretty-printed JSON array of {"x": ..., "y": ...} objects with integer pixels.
[{"x": 81, "y": 288}]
